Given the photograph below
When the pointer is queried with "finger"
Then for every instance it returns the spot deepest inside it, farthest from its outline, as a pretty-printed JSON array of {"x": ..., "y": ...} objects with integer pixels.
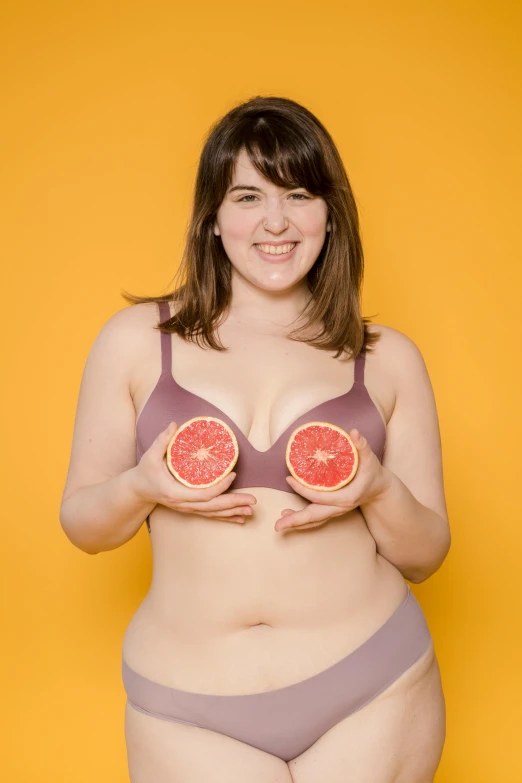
[
  {"x": 161, "y": 442},
  {"x": 313, "y": 495},
  {"x": 219, "y": 503},
  {"x": 310, "y": 514},
  {"x": 221, "y": 518},
  {"x": 227, "y": 512},
  {"x": 193, "y": 494},
  {"x": 236, "y": 518},
  {"x": 360, "y": 442},
  {"x": 303, "y": 527},
  {"x": 316, "y": 496}
]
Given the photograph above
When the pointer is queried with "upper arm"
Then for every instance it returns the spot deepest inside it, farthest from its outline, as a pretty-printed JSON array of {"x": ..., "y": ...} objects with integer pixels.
[
  {"x": 413, "y": 445},
  {"x": 103, "y": 442}
]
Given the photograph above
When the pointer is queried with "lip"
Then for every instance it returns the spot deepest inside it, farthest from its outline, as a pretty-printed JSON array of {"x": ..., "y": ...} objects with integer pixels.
[
  {"x": 276, "y": 259},
  {"x": 277, "y": 244}
]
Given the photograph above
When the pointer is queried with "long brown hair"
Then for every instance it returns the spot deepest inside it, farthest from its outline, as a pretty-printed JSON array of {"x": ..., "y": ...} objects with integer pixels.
[{"x": 290, "y": 147}]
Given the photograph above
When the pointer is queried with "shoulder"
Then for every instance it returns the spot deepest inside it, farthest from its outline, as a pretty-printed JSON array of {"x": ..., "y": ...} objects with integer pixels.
[
  {"x": 397, "y": 362},
  {"x": 125, "y": 338},
  {"x": 396, "y": 352},
  {"x": 133, "y": 326},
  {"x": 131, "y": 323}
]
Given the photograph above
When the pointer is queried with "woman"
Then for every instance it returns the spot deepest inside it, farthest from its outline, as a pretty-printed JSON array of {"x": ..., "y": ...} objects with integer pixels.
[{"x": 279, "y": 640}]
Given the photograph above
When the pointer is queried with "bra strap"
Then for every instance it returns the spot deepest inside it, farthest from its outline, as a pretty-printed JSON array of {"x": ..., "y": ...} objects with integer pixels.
[
  {"x": 359, "y": 368},
  {"x": 166, "y": 340}
]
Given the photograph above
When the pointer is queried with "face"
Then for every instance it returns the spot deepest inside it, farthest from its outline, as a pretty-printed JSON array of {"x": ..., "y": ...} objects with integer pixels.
[{"x": 258, "y": 219}]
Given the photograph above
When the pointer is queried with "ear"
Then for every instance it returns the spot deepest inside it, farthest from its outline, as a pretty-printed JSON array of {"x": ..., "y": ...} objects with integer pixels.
[
  {"x": 217, "y": 232},
  {"x": 329, "y": 226}
]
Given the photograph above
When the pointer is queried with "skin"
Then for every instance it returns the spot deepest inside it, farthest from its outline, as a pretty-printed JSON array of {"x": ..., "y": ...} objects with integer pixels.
[
  {"x": 255, "y": 633},
  {"x": 269, "y": 293}
]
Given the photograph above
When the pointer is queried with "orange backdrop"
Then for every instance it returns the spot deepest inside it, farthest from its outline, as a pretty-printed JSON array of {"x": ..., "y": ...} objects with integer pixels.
[{"x": 105, "y": 106}]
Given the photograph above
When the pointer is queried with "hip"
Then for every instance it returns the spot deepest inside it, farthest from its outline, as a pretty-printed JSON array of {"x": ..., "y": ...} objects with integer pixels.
[{"x": 259, "y": 657}]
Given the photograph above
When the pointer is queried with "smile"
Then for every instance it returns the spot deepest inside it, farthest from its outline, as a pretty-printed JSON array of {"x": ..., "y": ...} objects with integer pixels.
[{"x": 276, "y": 252}]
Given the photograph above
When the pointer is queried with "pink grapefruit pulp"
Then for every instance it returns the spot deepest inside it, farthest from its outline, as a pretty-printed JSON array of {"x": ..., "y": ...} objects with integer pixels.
[
  {"x": 321, "y": 456},
  {"x": 202, "y": 451}
]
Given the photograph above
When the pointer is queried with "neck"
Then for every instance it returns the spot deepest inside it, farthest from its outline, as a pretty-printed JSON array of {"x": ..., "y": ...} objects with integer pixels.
[{"x": 253, "y": 305}]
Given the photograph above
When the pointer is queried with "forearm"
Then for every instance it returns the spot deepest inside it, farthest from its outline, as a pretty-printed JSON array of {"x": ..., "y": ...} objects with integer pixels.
[
  {"x": 104, "y": 516},
  {"x": 414, "y": 538}
]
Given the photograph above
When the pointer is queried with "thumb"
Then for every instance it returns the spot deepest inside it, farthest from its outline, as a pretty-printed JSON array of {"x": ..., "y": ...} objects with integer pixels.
[
  {"x": 358, "y": 439},
  {"x": 170, "y": 430},
  {"x": 164, "y": 437}
]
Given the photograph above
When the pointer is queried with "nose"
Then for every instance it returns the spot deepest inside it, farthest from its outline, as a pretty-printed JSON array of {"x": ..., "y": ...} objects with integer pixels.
[{"x": 275, "y": 219}]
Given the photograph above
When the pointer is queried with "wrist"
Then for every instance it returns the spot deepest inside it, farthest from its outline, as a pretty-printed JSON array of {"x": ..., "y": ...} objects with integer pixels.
[
  {"x": 383, "y": 485},
  {"x": 136, "y": 486}
]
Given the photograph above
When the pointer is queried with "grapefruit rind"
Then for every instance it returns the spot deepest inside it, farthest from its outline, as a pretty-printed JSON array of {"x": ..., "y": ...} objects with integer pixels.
[
  {"x": 319, "y": 487},
  {"x": 222, "y": 474}
]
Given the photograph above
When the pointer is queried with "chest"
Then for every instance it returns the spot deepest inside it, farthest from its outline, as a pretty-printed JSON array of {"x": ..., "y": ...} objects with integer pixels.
[{"x": 261, "y": 382}]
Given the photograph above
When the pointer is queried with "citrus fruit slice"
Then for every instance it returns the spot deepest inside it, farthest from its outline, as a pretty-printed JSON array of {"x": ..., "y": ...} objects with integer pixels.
[
  {"x": 202, "y": 451},
  {"x": 321, "y": 456}
]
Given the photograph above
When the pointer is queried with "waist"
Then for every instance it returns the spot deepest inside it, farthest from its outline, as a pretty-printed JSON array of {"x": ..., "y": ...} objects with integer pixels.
[
  {"x": 212, "y": 578},
  {"x": 234, "y": 653}
]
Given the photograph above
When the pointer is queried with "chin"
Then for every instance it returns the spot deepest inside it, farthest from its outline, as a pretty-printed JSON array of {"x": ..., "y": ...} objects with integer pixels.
[{"x": 275, "y": 281}]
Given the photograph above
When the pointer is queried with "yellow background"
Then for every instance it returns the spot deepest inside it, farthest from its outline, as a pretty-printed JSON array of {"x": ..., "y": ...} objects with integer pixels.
[{"x": 105, "y": 106}]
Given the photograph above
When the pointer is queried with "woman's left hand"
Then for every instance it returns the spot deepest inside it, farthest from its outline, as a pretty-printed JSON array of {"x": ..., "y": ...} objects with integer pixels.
[{"x": 370, "y": 481}]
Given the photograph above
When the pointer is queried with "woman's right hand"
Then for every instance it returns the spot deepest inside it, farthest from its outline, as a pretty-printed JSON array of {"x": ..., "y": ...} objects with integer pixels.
[{"x": 155, "y": 483}]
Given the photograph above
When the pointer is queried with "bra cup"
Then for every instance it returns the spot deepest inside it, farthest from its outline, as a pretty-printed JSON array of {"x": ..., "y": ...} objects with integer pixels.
[{"x": 171, "y": 402}]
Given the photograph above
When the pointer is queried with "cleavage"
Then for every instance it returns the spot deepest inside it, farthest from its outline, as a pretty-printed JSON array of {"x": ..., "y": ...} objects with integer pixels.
[{"x": 261, "y": 404}]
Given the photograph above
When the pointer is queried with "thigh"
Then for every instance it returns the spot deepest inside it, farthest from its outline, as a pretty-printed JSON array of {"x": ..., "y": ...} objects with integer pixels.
[
  {"x": 167, "y": 752},
  {"x": 396, "y": 738}
]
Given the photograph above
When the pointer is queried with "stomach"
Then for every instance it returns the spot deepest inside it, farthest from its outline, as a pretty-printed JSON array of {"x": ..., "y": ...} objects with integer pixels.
[{"x": 240, "y": 608}]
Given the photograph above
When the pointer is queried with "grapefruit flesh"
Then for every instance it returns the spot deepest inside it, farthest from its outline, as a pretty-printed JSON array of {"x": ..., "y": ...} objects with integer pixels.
[
  {"x": 321, "y": 456},
  {"x": 202, "y": 451}
]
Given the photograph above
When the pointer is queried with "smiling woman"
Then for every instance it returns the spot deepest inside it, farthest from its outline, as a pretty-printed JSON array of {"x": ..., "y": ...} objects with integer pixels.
[
  {"x": 278, "y": 632},
  {"x": 296, "y": 219},
  {"x": 270, "y": 173}
]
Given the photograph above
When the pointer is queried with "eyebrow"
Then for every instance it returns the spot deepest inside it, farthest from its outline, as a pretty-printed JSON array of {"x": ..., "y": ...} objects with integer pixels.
[
  {"x": 244, "y": 187},
  {"x": 254, "y": 189}
]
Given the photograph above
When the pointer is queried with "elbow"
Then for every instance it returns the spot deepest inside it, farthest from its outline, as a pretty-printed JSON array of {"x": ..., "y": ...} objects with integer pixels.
[
  {"x": 420, "y": 573},
  {"x": 80, "y": 545},
  {"x": 445, "y": 546},
  {"x": 88, "y": 551},
  {"x": 416, "y": 579},
  {"x": 68, "y": 529},
  {"x": 416, "y": 576}
]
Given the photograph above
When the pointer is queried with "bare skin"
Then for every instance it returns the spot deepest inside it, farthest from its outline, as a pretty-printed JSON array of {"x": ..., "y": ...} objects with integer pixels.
[
  {"x": 236, "y": 606},
  {"x": 307, "y": 624}
]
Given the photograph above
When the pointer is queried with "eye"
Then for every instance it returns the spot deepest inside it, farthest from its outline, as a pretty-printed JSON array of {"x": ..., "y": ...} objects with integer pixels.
[{"x": 251, "y": 195}]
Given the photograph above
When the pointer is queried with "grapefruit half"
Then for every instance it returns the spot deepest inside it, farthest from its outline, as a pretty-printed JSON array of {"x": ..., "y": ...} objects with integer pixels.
[
  {"x": 321, "y": 456},
  {"x": 202, "y": 451}
]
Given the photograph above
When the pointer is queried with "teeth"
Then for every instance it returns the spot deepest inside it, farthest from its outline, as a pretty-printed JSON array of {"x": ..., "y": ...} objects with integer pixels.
[{"x": 277, "y": 250}]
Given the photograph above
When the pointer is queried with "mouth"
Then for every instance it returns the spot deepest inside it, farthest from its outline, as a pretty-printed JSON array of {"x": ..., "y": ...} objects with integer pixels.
[{"x": 275, "y": 253}]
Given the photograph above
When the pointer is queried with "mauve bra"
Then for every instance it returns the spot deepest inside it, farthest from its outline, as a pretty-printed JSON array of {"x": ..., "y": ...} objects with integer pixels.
[{"x": 171, "y": 402}]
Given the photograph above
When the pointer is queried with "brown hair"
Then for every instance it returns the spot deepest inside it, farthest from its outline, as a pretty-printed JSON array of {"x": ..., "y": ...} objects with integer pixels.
[{"x": 290, "y": 147}]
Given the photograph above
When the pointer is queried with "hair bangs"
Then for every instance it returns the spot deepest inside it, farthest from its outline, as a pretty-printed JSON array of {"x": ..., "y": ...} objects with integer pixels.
[
  {"x": 283, "y": 153},
  {"x": 290, "y": 147}
]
